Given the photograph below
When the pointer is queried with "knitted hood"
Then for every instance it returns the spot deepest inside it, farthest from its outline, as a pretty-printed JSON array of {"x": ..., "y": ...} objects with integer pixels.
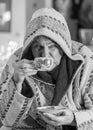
[{"x": 49, "y": 22}]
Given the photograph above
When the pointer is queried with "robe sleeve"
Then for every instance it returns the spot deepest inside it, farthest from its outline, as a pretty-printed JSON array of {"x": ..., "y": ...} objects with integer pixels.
[
  {"x": 84, "y": 117},
  {"x": 13, "y": 105}
]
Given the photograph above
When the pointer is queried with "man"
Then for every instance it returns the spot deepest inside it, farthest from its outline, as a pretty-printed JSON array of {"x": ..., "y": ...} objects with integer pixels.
[{"x": 50, "y": 71}]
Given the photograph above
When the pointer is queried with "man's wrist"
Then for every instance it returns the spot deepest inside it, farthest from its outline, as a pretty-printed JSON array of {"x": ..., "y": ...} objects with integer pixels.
[{"x": 17, "y": 84}]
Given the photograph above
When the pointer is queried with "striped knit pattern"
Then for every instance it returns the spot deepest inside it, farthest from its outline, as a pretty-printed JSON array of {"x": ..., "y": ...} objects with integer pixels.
[
  {"x": 21, "y": 112},
  {"x": 51, "y": 24}
]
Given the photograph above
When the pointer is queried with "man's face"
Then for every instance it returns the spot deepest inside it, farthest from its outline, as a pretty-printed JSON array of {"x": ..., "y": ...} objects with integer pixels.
[{"x": 44, "y": 47}]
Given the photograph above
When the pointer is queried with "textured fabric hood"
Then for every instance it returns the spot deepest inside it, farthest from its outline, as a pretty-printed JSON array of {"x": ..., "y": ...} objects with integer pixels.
[{"x": 49, "y": 22}]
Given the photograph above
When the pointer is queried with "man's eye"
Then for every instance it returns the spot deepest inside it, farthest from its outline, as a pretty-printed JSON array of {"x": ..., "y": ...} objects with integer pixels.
[
  {"x": 39, "y": 48},
  {"x": 36, "y": 46},
  {"x": 53, "y": 47}
]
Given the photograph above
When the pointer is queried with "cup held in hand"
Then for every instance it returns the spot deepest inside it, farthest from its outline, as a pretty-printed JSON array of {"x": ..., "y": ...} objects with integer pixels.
[{"x": 44, "y": 63}]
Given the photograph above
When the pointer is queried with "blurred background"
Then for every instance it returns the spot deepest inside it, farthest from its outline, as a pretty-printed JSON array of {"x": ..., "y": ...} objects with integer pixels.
[{"x": 15, "y": 14}]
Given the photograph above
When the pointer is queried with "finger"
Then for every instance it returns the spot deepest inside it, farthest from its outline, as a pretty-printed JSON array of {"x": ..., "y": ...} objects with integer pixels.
[
  {"x": 32, "y": 63},
  {"x": 19, "y": 63},
  {"x": 26, "y": 64},
  {"x": 29, "y": 62},
  {"x": 56, "y": 112},
  {"x": 31, "y": 73},
  {"x": 30, "y": 66},
  {"x": 50, "y": 116},
  {"x": 57, "y": 119},
  {"x": 28, "y": 70},
  {"x": 48, "y": 120}
]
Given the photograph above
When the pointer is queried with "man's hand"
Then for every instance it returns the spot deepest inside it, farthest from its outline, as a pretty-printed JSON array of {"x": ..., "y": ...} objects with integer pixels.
[
  {"x": 23, "y": 69},
  {"x": 62, "y": 117}
]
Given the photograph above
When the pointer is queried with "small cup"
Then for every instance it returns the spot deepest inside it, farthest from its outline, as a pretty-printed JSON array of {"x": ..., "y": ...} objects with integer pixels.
[{"x": 45, "y": 63}]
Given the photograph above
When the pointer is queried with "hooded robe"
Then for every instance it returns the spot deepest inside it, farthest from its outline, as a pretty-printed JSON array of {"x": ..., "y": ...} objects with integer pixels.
[{"x": 69, "y": 85}]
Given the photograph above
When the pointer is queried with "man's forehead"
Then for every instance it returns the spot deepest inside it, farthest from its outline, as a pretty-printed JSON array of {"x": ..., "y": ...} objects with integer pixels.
[{"x": 43, "y": 40}]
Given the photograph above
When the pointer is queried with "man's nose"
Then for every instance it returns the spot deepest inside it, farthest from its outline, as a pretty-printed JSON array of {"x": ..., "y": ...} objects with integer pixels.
[{"x": 47, "y": 52}]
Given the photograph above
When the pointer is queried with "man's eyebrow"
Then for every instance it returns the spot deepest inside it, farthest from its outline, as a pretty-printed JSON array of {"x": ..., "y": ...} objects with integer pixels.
[
  {"x": 34, "y": 42},
  {"x": 51, "y": 42}
]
